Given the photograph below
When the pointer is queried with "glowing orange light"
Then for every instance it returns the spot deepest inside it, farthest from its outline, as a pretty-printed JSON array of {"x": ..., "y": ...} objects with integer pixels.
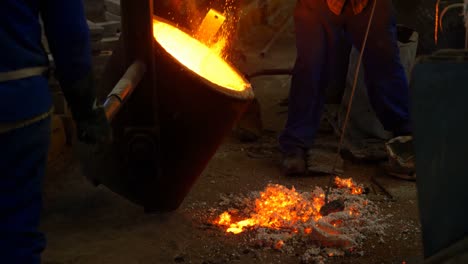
[
  {"x": 225, "y": 219},
  {"x": 201, "y": 59},
  {"x": 279, "y": 245},
  {"x": 350, "y": 184},
  {"x": 281, "y": 208},
  {"x": 278, "y": 207}
]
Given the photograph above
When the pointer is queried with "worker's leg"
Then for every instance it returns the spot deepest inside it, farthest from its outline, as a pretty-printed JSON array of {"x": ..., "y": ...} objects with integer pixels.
[
  {"x": 315, "y": 28},
  {"x": 23, "y": 157},
  {"x": 386, "y": 79}
]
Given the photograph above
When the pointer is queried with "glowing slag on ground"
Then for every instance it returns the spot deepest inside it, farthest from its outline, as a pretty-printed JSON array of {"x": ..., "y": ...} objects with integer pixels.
[{"x": 280, "y": 214}]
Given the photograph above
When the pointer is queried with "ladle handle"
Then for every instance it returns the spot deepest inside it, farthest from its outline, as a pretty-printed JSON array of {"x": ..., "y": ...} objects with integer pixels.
[{"x": 123, "y": 89}]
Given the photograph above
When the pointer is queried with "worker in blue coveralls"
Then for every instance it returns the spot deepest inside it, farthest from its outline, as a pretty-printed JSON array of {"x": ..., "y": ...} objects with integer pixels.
[
  {"x": 25, "y": 108},
  {"x": 318, "y": 26}
]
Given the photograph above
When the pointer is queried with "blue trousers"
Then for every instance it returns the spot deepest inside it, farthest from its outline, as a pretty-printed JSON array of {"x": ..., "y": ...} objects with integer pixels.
[
  {"x": 317, "y": 31},
  {"x": 23, "y": 158}
]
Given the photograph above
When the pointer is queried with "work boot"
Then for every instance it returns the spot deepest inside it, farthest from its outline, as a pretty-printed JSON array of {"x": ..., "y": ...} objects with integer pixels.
[
  {"x": 401, "y": 162},
  {"x": 294, "y": 163}
]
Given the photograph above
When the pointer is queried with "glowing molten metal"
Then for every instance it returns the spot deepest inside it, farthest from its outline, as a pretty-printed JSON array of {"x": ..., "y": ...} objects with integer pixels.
[
  {"x": 286, "y": 220},
  {"x": 278, "y": 207},
  {"x": 201, "y": 59},
  {"x": 281, "y": 208},
  {"x": 348, "y": 183}
]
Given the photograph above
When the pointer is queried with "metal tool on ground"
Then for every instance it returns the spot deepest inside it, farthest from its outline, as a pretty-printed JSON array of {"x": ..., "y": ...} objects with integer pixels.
[
  {"x": 343, "y": 130},
  {"x": 210, "y": 26},
  {"x": 382, "y": 188}
]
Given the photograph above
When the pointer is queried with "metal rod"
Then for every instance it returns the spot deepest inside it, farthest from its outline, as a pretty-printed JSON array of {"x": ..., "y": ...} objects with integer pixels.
[
  {"x": 436, "y": 26},
  {"x": 382, "y": 188},
  {"x": 446, "y": 9},
  {"x": 124, "y": 88},
  {"x": 466, "y": 38},
  {"x": 350, "y": 103},
  {"x": 264, "y": 72},
  {"x": 465, "y": 19}
]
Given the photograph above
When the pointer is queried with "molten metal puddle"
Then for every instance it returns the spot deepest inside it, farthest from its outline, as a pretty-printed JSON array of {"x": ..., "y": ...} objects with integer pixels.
[{"x": 203, "y": 60}]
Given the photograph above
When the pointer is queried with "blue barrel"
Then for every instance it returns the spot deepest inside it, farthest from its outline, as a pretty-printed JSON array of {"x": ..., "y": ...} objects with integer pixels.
[{"x": 440, "y": 112}]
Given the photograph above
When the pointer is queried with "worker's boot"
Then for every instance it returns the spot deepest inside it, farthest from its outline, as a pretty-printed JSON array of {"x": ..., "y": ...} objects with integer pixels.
[
  {"x": 294, "y": 163},
  {"x": 401, "y": 158}
]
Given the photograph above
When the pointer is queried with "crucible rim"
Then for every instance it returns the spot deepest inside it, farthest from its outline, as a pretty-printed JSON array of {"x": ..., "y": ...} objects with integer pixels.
[{"x": 246, "y": 94}]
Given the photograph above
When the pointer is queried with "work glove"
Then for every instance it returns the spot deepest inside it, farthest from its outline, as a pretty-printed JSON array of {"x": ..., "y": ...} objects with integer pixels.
[
  {"x": 95, "y": 128},
  {"x": 91, "y": 121}
]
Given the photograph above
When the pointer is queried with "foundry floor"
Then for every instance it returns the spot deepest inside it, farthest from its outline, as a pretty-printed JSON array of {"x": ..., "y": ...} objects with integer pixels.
[{"x": 85, "y": 224}]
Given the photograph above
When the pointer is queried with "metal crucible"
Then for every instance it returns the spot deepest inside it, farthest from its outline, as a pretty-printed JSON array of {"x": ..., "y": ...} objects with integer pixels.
[{"x": 190, "y": 100}]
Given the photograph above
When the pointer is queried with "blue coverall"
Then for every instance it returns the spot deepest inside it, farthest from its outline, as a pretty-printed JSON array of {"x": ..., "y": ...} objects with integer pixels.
[
  {"x": 317, "y": 30},
  {"x": 23, "y": 151}
]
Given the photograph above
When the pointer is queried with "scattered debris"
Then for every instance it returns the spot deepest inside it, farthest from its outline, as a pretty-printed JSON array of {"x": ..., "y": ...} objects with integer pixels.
[{"x": 286, "y": 220}]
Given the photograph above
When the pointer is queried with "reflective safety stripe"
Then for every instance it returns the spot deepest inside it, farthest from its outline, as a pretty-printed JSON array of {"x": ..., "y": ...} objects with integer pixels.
[
  {"x": 4, "y": 128},
  {"x": 22, "y": 73}
]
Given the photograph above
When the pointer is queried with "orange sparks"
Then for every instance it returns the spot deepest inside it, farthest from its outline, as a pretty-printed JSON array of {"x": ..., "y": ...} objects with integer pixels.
[
  {"x": 350, "y": 184},
  {"x": 279, "y": 244}
]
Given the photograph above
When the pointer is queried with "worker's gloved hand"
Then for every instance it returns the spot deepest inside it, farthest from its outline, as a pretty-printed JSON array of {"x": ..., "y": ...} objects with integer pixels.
[
  {"x": 95, "y": 128},
  {"x": 92, "y": 124}
]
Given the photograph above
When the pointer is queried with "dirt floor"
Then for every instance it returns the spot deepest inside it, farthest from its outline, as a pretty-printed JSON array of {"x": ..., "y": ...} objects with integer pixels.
[{"x": 85, "y": 224}]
